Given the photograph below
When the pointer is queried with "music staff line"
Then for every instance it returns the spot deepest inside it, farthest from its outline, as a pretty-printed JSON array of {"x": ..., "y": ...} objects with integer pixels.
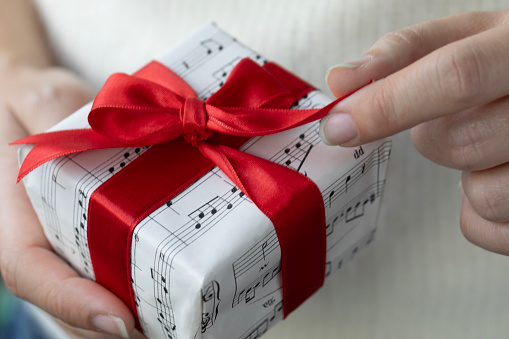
[
  {"x": 295, "y": 153},
  {"x": 201, "y": 221},
  {"x": 373, "y": 192},
  {"x": 172, "y": 204},
  {"x": 256, "y": 253},
  {"x": 200, "y": 54},
  {"x": 248, "y": 293},
  {"x": 260, "y": 327},
  {"x": 349, "y": 253},
  {"x": 221, "y": 74},
  {"x": 167, "y": 312},
  {"x": 306, "y": 102},
  {"x": 85, "y": 186},
  {"x": 187, "y": 65},
  {"x": 340, "y": 186},
  {"x": 49, "y": 196},
  {"x": 165, "y": 253},
  {"x": 153, "y": 267}
]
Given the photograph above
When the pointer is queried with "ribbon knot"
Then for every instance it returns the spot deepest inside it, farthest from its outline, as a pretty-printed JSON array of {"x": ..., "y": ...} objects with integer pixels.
[{"x": 193, "y": 115}]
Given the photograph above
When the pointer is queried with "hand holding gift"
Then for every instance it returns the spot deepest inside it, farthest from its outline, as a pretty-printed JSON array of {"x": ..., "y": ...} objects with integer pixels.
[
  {"x": 112, "y": 197},
  {"x": 33, "y": 99},
  {"x": 28, "y": 75}
]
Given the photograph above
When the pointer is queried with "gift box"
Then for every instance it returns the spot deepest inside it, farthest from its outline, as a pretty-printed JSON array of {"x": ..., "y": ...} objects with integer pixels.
[{"x": 208, "y": 262}]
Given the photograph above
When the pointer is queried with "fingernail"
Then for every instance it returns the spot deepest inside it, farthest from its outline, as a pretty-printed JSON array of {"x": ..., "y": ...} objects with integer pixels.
[
  {"x": 337, "y": 129},
  {"x": 356, "y": 64},
  {"x": 462, "y": 191},
  {"x": 111, "y": 325}
]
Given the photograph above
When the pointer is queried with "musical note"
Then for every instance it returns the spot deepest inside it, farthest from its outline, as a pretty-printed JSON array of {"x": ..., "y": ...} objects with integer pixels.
[
  {"x": 245, "y": 285},
  {"x": 331, "y": 194},
  {"x": 200, "y": 221},
  {"x": 262, "y": 325},
  {"x": 347, "y": 253},
  {"x": 355, "y": 212},
  {"x": 352, "y": 210},
  {"x": 327, "y": 268},
  {"x": 347, "y": 180},
  {"x": 211, "y": 300},
  {"x": 211, "y": 45},
  {"x": 199, "y": 55},
  {"x": 340, "y": 186},
  {"x": 219, "y": 75},
  {"x": 264, "y": 245},
  {"x": 89, "y": 181},
  {"x": 308, "y": 101},
  {"x": 295, "y": 154}
]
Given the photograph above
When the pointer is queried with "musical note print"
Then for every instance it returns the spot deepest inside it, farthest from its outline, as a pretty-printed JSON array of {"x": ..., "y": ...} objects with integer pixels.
[
  {"x": 295, "y": 153},
  {"x": 351, "y": 211},
  {"x": 337, "y": 261},
  {"x": 262, "y": 326},
  {"x": 327, "y": 269},
  {"x": 263, "y": 261},
  {"x": 211, "y": 236},
  {"x": 340, "y": 186},
  {"x": 308, "y": 101},
  {"x": 88, "y": 182},
  {"x": 67, "y": 183},
  {"x": 48, "y": 194},
  {"x": 211, "y": 300},
  {"x": 200, "y": 221},
  {"x": 205, "y": 50},
  {"x": 220, "y": 75}
]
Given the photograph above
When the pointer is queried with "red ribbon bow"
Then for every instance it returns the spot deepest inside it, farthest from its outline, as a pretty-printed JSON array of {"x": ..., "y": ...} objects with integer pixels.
[{"x": 156, "y": 107}]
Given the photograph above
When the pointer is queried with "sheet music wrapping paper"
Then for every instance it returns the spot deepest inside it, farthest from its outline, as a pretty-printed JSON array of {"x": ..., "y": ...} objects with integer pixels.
[{"x": 207, "y": 263}]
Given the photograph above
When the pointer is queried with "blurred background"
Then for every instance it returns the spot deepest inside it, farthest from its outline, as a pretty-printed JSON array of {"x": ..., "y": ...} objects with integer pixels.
[{"x": 420, "y": 278}]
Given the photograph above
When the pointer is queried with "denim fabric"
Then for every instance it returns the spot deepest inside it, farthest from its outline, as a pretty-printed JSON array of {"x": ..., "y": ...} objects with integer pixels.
[{"x": 16, "y": 322}]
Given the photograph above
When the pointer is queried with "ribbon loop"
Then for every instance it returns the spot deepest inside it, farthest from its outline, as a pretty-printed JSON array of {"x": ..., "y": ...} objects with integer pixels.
[{"x": 193, "y": 115}]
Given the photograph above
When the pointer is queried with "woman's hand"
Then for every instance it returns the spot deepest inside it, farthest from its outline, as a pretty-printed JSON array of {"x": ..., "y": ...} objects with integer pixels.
[
  {"x": 449, "y": 80},
  {"x": 33, "y": 99}
]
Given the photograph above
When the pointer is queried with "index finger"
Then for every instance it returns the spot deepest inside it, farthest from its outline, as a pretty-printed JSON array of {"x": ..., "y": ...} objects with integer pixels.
[
  {"x": 400, "y": 48},
  {"x": 460, "y": 75}
]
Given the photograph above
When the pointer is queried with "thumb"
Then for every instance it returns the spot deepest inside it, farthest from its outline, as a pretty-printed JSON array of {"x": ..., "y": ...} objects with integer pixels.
[{"x": 424, "y": 72}]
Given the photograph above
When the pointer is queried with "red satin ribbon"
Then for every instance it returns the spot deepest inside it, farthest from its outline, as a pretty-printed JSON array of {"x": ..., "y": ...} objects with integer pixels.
[{"x": 156, "y": 107}]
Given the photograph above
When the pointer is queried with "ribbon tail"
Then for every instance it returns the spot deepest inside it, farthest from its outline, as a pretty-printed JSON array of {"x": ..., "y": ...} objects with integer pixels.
[
  {"x": 295, "y": 206},
  {"x": 250, "y": 122},
  {"x": 49, "y": 146}
]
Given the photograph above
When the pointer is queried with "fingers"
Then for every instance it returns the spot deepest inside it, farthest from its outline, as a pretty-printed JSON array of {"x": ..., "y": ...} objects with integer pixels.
[
  {"x": 488, "y": 192},
  {"x": 458, "y": 76},
  {"x": 471, "y": 140},
  {"x": 13, "y": 197},
  {"x": 29, "y": 267},
  {"x": 399, "y": 49},
  {"x": 41, "y": 98},
  {"x": 39, "y": 276},
  {"x": 484, "y": 215},
  {"x": 489, "y": 235},
  {"x": 77, "y": 333}
]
